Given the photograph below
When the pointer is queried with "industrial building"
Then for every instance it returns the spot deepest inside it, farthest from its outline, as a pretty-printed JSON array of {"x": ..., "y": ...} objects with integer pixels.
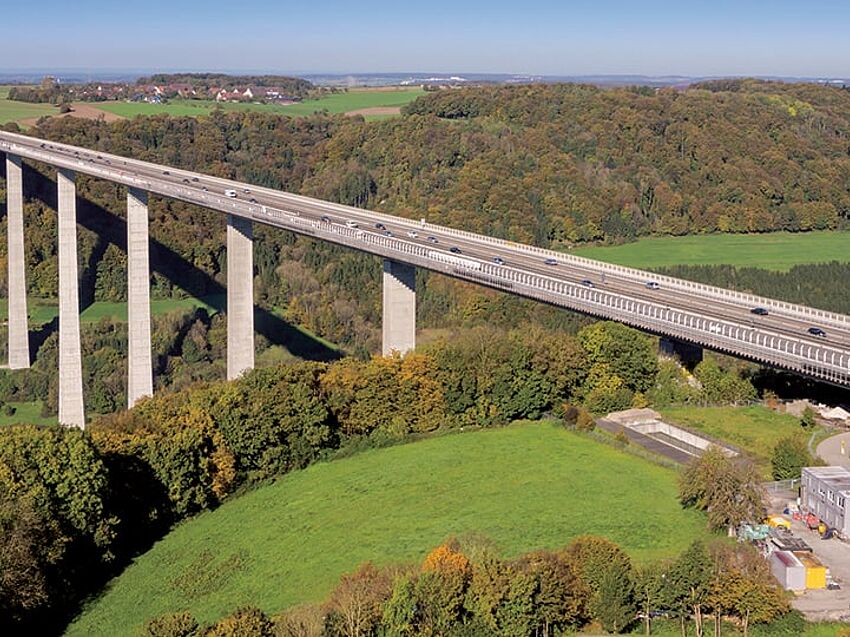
[{"x": 824, "y": 492}]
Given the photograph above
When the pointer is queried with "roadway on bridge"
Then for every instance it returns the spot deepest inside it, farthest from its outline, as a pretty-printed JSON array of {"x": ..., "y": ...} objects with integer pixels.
[{"x": 210, "y": 191}]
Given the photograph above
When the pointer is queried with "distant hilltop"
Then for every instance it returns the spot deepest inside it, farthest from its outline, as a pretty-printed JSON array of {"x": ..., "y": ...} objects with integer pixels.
[{"x": 350, "y": 80}]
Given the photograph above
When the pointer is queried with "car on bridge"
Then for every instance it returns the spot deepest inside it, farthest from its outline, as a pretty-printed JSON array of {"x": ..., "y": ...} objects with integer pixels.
[
  {"x": 587, "y": 283},
  {"x": 550, "y": 262},
  {"x": 652, "y": 285},
  {"x": 230, "y": 193},
  {"x": 380, "y": 226},
  {"x": 454, "y": 249},
  {"x": 816, "y": 331},
  {"x": 351, "y": 224},
  {"x": 761, "y": 311},
  {"x": 412, "y": 234},
  {"x": 498, "y": 261},
  {"x": 433, "y": 240}
]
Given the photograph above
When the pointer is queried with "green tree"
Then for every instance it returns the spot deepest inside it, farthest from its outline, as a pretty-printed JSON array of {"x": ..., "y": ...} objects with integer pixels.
[
  {"x": 614, "y": 605},
  {"x": 789, "y": 456},
  {"x": 728, "y": 490}
]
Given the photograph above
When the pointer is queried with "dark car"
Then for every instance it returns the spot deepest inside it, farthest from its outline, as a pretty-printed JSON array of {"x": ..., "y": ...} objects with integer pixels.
[
  {"x": 204, "y": 188},
  {"x": 252, "y": 200},
  {"x": 246, "y": 190},
  {"x": 761, "y": 311},
  {"x": 326, "y": 219},
  {"x": 388, "y": 233},
  {"x": 165, "y": 172},
  {"x": 195, "y": 179},
  {"x": 587, "y": 283},
  {"x": 816, "y": 331},
  {"x": 498, "y": 261},
  {"x": 433, "y": 240},
  {"x": 185, "y": 181},
  {"x": 380, "y": 226},
  {"x": 454, "y": 249},
  {"x": 550, "y": 262}
]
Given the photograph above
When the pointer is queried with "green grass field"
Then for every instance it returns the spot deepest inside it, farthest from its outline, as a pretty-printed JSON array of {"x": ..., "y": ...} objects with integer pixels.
[
  {"x": 13, "y": 111},
  {"x": 528, "y": 486},
  {"x": 774, "y": 251},
  {"x": 43, "y": 311},
  {"x": 26, "y": 412},
  {"x": 334, "y": 103},
  {"x": 754, "y": 429}
]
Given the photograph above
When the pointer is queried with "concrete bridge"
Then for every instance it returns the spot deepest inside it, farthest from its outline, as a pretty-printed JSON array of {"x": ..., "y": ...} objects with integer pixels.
[{"x": 689, "y": 316}]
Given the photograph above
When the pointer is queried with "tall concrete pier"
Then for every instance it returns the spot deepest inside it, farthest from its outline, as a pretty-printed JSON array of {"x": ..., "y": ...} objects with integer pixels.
[
  {"x": 18, "y": 333},
  {"x": 399, "y": 318},
  {"x": 139, "y": 363},
  {"x": 71, "y": 410},
  {"x": 240, "y": 296}
]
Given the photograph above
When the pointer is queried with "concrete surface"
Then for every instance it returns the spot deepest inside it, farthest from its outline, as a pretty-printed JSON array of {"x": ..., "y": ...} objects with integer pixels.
[
  {"x": 139, "y": 362},
  {"x": 240, "y": 296},
  {"x": 399, "y": 308},
  {"x": 835, "y": 450},
  {"x": 18, "y": 332},
  {"x": 71, "y": 410}
]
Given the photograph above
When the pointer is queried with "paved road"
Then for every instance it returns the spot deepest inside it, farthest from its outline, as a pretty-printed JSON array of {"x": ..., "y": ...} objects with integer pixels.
[
  {"x": 708, "y": 316},
  {"x": 830, "y": 450}
]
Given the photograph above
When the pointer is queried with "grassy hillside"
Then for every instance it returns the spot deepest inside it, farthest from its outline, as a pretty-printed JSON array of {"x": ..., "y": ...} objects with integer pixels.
[
  {"x": 754, "y": 429},
  {"x": 335, "y": 103},
  {"x": 525, "y": 487},
  {"x": 777, "y": 251}
]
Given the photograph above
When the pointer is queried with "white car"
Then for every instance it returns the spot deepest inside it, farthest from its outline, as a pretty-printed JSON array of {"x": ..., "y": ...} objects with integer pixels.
[
  {"x": 351, "y": 224},
  {"x": 230, "y": 193},
  {"x": 412, "y": 234}
]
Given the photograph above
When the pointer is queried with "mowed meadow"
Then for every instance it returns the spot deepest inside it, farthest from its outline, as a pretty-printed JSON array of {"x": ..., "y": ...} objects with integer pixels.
[
  {"x": 776, "y": 251},
  {"x": 527, "y": 486},
  {"x": 332, "y": 103}
]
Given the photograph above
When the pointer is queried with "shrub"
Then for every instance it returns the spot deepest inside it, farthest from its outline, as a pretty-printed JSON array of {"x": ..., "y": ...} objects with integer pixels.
[{"x": 181, "y": 624}]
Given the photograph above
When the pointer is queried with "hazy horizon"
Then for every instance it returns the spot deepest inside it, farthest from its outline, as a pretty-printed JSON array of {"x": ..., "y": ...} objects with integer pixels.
[{"x": 610, "y": 37}]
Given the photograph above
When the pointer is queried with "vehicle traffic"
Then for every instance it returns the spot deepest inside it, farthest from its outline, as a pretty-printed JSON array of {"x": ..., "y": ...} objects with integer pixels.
[
  {"x": 230, "y": 193},
  {"x": 760, "y": 311}
]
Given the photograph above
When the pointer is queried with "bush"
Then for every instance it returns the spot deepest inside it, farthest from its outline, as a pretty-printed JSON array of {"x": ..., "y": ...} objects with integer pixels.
[
  {"x": 789, "y": 456},
  {"x": 171, "y": 625},
  {"x": 585, "y": 421}
]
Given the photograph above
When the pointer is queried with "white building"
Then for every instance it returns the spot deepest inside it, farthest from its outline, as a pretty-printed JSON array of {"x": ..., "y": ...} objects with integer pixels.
[{"x": 825, "y": 492}]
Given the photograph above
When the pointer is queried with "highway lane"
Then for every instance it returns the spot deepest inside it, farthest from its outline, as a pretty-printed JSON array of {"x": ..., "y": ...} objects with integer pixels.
[{"x": 209, "y": 190}]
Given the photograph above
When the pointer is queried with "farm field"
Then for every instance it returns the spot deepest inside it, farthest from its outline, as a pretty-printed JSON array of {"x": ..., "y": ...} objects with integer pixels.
[
  {"x": 755, "y": 429},
  {"x": 531, "y": 485},
  {"x": 334, "y": 103},
  {"x": 14, "y": 111},
  {"x": 777, "y": 251}
]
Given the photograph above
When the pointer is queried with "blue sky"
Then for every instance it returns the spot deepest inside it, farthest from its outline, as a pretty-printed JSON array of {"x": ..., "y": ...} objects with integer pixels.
[{"x": 571, "y": 37}]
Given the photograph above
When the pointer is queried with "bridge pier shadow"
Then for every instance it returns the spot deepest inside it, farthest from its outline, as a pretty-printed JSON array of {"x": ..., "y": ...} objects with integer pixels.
[{"x": 111, "y": 229}]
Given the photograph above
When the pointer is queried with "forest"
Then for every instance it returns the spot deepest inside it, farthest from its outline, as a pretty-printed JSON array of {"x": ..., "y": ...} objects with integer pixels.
[{"x": 553, "y": 165}]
